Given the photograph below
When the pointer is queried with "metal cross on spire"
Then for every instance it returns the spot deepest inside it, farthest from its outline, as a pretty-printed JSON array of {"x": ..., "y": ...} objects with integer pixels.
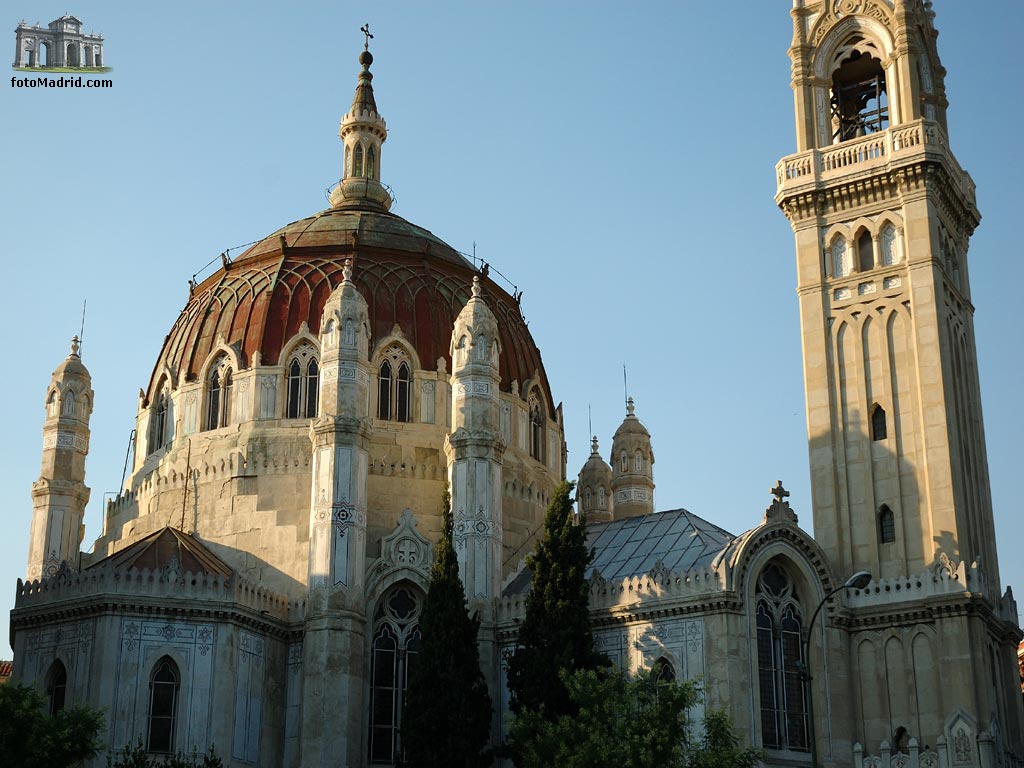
[{"x": 365, "y": 29}]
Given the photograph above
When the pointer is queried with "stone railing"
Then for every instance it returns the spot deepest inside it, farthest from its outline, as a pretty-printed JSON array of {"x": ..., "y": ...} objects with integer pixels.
[
  {"x": 980, "y": 750},
  {"x": 869, "y": 153},
  {"x": 944, "y": 578},
  {"x": 631, "y": 592},
  {"x": 164, "y": 583}
]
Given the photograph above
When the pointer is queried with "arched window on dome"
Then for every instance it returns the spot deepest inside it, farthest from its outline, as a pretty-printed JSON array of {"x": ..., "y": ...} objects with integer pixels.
[
  {"x": 588, "y": 497},
  {"x": 623, "y": 462},
  {"x": 395, "y": 645},
  {"x": 303, "y": 383},
  {"x": 347, "y": 171},
  {"x": 67, "y": 407},
  {"x": 164, "y": 683},
  {"x": 357, "y": 161},
  {"x": 56, "y": 687},
  {"x": 218, "y": 394},
  {"x": 779, "y": 616},
  {"x": 602, "y": 499},
  {"x": 638, "y": 462},
  {"x": 891, "y": 248},
  {"x": 841, "y": 266},
  {"x": 371, "y": 163},
  {"x": 533, "y": 404},
  {"x": 51, "y": 403},
  {"x": 159, "y": 425},
  {"x": 394, "y": 385}
]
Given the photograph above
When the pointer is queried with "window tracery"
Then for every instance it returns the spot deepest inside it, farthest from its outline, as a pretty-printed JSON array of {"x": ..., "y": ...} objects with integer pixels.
[
  {"x": 841, "y": 266},
  {"x": 303, "y": 383},
  {"x": 394, "y": 385},
  {"x": 164, "y": 683},
  {"x": 395, "y": 645},
  {"x": 891, "y": 251},
  {"x": 784, "y": 716},
  {"x": 218, "y": 401}
]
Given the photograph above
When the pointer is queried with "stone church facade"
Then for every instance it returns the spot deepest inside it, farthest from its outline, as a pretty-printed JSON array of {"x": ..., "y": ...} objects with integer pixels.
[{"x": 258, "y": 581}]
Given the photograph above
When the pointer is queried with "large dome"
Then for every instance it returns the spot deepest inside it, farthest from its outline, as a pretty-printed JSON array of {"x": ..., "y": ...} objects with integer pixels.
[{"x": 408, "y": 276}]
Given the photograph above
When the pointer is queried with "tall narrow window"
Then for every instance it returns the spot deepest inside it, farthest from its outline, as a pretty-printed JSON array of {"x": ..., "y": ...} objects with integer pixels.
[
  {"x": 663, "y": 672},
  {"x": 384, "y": 391},
  {"x": 159, "y": 422},
  {"x": 784, "y": 715},
  {"x": 865, "y": 252},
  {"x": 394, "y": 385},
  {"x": 348, "y": 162},
  {"x": 890, "y": 243},
  {"x": 886, "y": 525},
  {"x": 638, "y": 462},
  {"x": 163, "y": 705},
  {"x": 840, "y": 258},
  {"x": 56, "y": 686},
  {"x": 533, "y": 403},
  {"x": 303, "y": 383},
  {"x": 878, "y": 425},
  {"x": 68, "y": 404},
  {"x": 396, "y": 642},
  {"x": 218, "y": 399},
  {"x": 403, "y": 396},
  {"x": 371, "y": 163},
  {"x": 357, "y": 162}
]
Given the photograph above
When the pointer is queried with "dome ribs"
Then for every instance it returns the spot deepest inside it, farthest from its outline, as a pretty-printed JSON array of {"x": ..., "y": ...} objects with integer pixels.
[{"x": 406, "y": 274}]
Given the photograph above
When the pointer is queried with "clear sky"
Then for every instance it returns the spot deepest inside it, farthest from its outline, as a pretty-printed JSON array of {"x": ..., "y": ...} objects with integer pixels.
[{"x": 614, "y": 160}]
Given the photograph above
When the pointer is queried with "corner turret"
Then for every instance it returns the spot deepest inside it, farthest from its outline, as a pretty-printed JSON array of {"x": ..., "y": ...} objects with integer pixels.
[{"x": 632, "y": 463}]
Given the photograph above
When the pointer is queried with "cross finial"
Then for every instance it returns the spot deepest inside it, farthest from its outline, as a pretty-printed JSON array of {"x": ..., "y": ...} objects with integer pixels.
[
  {"x": 365, "y": 29},
  {"x": 778, "y": 491}
]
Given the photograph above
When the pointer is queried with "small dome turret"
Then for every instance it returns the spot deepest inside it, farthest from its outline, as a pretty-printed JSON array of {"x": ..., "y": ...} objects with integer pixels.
[
  {"x": 632, "y": 463},
  {"x": 594, "y": 488}
]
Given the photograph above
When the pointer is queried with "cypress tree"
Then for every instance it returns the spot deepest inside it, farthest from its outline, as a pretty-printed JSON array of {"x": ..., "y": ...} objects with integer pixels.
[
  {"x": 447, "y": 718},
  {"x": 555, "y": 634}
]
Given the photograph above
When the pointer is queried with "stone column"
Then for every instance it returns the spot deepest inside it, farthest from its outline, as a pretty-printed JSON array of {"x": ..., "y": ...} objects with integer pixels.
[{"x": 334, "y": 646}]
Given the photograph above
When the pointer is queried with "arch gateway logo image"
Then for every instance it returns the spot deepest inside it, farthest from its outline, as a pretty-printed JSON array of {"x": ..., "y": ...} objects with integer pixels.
[{"x": 60, "y": 46}]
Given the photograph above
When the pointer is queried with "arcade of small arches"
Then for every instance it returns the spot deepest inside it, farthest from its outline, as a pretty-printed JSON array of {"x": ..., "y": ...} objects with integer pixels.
[{"x": 870, "y": 245}]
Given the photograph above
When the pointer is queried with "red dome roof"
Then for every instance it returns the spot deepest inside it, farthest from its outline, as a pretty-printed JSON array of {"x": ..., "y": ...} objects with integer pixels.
[{"x": 406, "y": 274}]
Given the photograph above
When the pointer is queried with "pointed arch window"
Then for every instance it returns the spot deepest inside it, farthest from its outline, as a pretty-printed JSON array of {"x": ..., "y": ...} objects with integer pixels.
[
  {"x": 638, "y": 462},
  {"x": 886, "y": 525},
  {"x": 303, "y": 383},
  {"x": 623, "y": 462},
  {"x": 879, "y": 430},
  {"x": 68, "y": 403},
  {"x": 371, "y": 162},
  {"x": 51, "y": 403},
  {"x": 840, "y": 258},
  {"x": 357, "y": 161},
  {"x": 865, "y": 252},
  {"x": 56, "y": 686},
  {"x": 164, "y": 684},
  {"x": 218, "y": 400},
  {"x": 533, "y": 403},
  {"x": 394, "y": 385},
  {"x": 779, "y": 619},
  {"x": 396, "y": 643},
  {"x": 160, "y": 434},
  {"x": 588, "y": 497},
  {"x": 891, "y": 250},
  {"x": 348, "y": 161},
  {"x": 602, "y": 499},
  {"x": 663, "y": 672}
]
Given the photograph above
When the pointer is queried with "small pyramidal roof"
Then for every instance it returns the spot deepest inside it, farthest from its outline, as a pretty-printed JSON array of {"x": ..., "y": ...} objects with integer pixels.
[{"x": 168, "y": 547}]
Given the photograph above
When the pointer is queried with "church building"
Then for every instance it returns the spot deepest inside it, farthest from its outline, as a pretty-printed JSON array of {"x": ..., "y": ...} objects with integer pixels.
[{"x": 258, "y": 580}]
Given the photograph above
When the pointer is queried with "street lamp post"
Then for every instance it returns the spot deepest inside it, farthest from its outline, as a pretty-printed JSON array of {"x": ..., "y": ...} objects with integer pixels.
[{"x": 859, "y": 580}]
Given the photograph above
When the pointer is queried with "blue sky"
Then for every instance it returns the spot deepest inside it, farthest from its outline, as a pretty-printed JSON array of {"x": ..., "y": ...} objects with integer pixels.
[{"x": 615, "y": 160}]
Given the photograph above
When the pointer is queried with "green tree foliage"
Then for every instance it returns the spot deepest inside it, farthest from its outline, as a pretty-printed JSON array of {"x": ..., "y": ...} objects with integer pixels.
[
  {"x": 30, "y": 738},
  {"x": 555, "y": 634},
  {"x": 626, "y": 722},
  {"x": 447, "y": 718},
  {"x": 136, "y": 756}
]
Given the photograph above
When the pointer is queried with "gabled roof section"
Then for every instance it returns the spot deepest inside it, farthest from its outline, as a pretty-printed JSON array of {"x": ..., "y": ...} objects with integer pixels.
[
  {"x": 633, "y": 546},
  {"x": 167, "y": 547}
]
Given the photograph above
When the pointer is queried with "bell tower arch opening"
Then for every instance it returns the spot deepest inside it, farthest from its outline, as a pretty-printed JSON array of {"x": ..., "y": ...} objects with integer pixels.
[{"x": 859, "y": 102}]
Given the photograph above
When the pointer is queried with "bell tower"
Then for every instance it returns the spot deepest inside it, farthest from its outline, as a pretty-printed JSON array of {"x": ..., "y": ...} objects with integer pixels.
[{"x": 882, "y": 215}]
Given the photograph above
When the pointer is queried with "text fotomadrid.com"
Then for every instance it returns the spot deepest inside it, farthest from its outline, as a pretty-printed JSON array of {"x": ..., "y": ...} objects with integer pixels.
[{"x": 60, "y": 82}]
